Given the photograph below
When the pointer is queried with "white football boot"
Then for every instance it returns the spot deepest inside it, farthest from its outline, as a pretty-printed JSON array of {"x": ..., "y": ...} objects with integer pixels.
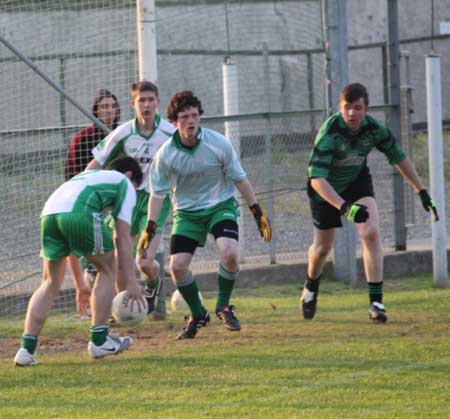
[
  {"x": 112, "y": 346},
  {"x": 24, "y": 359}
]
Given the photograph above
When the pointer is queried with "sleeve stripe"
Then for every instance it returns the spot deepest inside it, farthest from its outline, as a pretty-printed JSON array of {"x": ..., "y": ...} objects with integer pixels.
[
  {"x": 319, "y": 164},
  {"x": 319, "y": 152},
  {"x": 389, "y": 142}
]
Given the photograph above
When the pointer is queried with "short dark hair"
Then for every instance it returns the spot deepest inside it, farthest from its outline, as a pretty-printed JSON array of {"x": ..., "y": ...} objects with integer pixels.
[
  {"x": 102, "y": 94},
  {"x": 125, "y": 164},
  {"x": 354, "y": 91},
  {"x": 181, "y": 101},
  {"x": 144, "y": 86}
]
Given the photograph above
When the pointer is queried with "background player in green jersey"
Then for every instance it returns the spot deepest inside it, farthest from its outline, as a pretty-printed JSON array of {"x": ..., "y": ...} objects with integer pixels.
[
  {"x": 72, "y": 222},
  {"x": 140, "y": 138},
  {"x": 202, "y": 171},
  {"x": 340, "y": 184}
]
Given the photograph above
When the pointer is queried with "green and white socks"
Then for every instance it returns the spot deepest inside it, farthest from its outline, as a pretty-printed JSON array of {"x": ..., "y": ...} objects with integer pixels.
[
  {"x": 189, "y": 290},
  {"x": 225, "y": 285},
  {"x": 29, "y": 342},
  {"x": 99, "y": 334}
]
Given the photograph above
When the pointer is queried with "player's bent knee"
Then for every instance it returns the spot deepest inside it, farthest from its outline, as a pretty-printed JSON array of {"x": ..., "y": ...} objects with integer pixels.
[
  {"x": 147, "y": 264},
  {"x": 321, "y": 251},
  {"x": 370, "y": 234},
  {"x": 229, "y": 256},
  {"x": 179, "y": 270},
  {"x": 51, "y": 286},
  {"x": 151, "y": 271}
]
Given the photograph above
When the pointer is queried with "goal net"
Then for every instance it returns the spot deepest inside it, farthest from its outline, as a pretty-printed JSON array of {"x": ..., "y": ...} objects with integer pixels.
[
  {"x": 81, "y": 46},
  {"x": 84, "y": 45}
]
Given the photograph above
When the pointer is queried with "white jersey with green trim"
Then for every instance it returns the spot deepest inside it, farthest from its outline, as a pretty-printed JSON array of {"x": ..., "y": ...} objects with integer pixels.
[
  {"x": 93, "y": 191},
  {"x": 126, "y": 140},
  {"x": 199, "y": 177}
]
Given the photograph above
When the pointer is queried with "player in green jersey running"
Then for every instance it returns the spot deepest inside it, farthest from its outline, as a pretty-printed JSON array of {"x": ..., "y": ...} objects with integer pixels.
[
  {"x": 340, "y": 184},
  {"x": 140, "y": 138},
  {"x": 202, "y": 171},
  {"x": 72, "y": 222}
]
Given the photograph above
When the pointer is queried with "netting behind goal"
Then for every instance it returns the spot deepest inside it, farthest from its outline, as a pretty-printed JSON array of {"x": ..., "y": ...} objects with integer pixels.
[
  {"x": 86, "y": 45},
  {"x": 81, "y": 46}
]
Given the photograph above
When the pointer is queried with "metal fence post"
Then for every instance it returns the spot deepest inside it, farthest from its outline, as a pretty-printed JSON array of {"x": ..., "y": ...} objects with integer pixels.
[
  {"x": 394, "y": 90},
  {"x": 344, "y": 251},
  {"x": 406, "y": 133},
  {"x": 268, "y": 145}
]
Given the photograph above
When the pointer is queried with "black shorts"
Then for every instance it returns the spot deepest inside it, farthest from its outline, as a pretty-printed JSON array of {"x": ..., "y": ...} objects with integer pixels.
[
  {"x": 183, "y": 244},
  {"x": 325, "y": 216}
]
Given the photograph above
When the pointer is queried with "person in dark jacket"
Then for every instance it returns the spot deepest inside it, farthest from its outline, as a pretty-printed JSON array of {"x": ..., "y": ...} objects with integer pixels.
[{"x": 105, "y": 108}]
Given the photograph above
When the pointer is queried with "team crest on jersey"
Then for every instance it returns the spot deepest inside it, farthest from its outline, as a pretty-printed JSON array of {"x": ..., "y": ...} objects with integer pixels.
[
  {"x": 365, "y": 141},
  {"x": 134, "y": 147}
]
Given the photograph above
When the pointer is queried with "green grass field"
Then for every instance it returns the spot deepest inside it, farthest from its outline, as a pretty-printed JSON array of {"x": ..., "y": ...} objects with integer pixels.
[{"x": 337, "y": 366}]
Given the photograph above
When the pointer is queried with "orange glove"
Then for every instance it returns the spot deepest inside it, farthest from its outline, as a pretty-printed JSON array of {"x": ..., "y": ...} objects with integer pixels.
[
  {"x": 147, "y": 236},
  {"x": 262, "y": 222}
]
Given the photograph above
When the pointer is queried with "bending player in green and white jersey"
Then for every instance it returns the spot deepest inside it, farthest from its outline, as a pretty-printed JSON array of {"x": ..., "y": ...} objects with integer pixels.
[
  {"x": 340, "y": 184},
  {"x": 202, "y": 171},
  {"x": 140, "y": 138},
  {"x": 72, "y": 222}
]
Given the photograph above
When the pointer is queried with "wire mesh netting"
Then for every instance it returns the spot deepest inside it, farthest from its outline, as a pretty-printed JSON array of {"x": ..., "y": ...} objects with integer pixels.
[
  {"x": 276, "y": 51},
  {"x": 84, "y": 45}
]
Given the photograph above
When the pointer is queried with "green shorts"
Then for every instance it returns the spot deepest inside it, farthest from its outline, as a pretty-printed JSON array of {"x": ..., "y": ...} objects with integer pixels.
[
  {"x": 197, "y": 224},
  {"x": 139, "y": 219},
  {"x": 79, "y": 233}
]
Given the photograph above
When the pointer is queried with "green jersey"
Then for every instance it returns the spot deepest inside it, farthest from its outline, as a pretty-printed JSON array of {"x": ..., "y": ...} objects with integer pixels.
[
  {"x": 340, "y": 155},
  {"x": 126, "y": 140},
  {"x": 199, "y": 177},
  {"x": 92, "y": 192}
]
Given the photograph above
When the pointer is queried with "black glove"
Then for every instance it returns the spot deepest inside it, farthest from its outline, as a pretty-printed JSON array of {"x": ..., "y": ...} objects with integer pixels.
[
  {"x": 428, "y": 203},
  {"x": 147, "y": 236},
  {"x": 262, "y": 222},
  {"x": 356, "y": 213}
]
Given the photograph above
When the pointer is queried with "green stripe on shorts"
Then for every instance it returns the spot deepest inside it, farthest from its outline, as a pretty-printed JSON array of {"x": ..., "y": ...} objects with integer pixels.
[{"x": 84, "y": 234}]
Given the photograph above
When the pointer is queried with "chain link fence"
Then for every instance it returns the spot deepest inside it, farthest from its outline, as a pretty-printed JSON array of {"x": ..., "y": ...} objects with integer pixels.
[{"x": 277, "y": 49}]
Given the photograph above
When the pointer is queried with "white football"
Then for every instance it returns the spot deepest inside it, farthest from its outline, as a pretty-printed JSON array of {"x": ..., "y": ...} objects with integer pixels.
[
  {"x": 128, "y": 313},
  {"x": 178, "y": 303}
]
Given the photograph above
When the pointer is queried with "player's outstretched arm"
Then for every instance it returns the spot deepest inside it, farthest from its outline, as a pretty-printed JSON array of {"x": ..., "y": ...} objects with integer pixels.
[
  {"x": 246, "y": 189},
  {"x": 327, "y": 192},
  {"x": 407, "y": 170},
  {"x": 155, "y": 204},
  {"x": 83, "y": 292},
  {"x": 428, "y": 204},
  {"x": 263, "y": 223},
  {"x": 146, "y": 238},
  {"x": 357, "y": 213}
]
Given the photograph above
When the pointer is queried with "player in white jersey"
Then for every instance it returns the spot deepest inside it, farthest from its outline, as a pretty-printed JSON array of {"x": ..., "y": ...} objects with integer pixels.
[
  {"x": 72, "y": 222},
  {"x": 140, "y": 138},
  {"x": 202, "y": 171}
]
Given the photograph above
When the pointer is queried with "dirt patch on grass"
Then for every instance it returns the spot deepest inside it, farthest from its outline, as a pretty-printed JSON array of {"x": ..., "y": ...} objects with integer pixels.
[{"x": 149, "y": 334}]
